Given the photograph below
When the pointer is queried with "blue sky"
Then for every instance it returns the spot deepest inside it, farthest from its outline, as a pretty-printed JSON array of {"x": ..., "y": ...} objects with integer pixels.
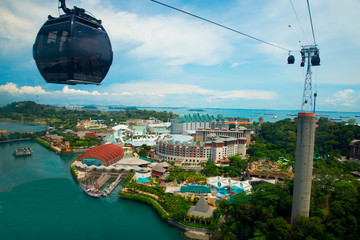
[{"x": 163, "y": 58}]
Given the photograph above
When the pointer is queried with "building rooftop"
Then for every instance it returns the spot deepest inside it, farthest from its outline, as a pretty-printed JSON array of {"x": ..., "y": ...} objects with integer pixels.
[
  {"x": 201, "y": 209},
  {"x": 106, "y": 153}
]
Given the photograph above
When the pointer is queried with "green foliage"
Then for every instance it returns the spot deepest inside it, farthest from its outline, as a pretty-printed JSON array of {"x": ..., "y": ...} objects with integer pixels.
[
  {"x": 142, "y": 152},
  {"x": 176, "y": 206},
  {"x": 182, "y": 175},
  {"x": 60, "y": 117},
  {"x": 210, "y": 169}
]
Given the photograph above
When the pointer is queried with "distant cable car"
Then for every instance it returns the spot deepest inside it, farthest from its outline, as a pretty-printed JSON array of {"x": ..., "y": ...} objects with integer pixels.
[
  {"x": 73, "y": 48},
  {"x": 291, "y": 59}
]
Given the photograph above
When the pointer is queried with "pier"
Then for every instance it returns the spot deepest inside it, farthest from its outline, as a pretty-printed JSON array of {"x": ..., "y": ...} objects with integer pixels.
[
  {"x": 104, "y": 177},
  {"x": 114, "y": 184}
]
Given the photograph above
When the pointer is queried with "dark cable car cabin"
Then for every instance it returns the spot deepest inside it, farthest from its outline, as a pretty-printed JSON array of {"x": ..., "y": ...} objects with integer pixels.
[{"x": 73, "y": 49}]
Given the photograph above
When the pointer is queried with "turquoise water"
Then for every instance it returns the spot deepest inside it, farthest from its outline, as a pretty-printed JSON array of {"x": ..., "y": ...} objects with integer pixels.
[
  {"x": 256, "y": 113},
  {"x": 20, "y": 127},
  {"x": 39, "y": 199}
]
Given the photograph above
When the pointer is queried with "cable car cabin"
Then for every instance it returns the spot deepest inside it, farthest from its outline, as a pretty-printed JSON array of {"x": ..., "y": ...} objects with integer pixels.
[{"x": 73, "y": 49}]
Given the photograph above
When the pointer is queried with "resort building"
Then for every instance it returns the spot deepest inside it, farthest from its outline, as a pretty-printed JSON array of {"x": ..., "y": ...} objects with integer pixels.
[
  {"x": 133, "y": 163},
  {"x": 226, "y": 186},
  {"x": 91, "y": 124},
  {"x": 138, "y": 130},
  {"x": 201, "y": 209},
  {"x": 240, "y": 133},
  {"x": 102, "y": 155},
  {"x": 194, "y": 121},
  {"x": 159, "y": 128},
  {"x": 355, "y": 149},
  {"x": 214, "y": 148},
  {"x": 160, "y": 168}
]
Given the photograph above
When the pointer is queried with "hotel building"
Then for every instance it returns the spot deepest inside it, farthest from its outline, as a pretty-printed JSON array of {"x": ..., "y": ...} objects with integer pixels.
[
  {"x": 240, "y": 133},
  {"x": 214, "y": 148}
]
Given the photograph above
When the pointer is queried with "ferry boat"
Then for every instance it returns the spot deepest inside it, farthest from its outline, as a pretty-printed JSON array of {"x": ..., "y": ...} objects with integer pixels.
[
  {"x": 23, "y": 151},
  {"x": 274, "y": 117}
]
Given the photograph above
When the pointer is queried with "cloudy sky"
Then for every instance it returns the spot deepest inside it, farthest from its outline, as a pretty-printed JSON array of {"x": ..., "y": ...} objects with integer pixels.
[{"x": 164, "y": 58}]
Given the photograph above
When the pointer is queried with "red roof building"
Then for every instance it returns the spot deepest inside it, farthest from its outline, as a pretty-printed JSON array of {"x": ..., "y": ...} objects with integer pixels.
[{"x": 102, "y": 155}]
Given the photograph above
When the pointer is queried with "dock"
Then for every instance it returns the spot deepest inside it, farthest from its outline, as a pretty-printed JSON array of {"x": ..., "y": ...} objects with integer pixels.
[
  {"x": 104, "y": 177},
  {"x": 113, "y": 185}
]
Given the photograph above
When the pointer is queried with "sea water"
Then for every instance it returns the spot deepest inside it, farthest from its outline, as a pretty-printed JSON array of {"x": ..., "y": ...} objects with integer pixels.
[
  {"x": 20, "y": 127},
  {"x": 39, "y": 199}
]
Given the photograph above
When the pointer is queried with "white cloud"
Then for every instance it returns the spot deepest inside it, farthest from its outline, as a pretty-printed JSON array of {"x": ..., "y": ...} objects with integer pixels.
[
  {"x": 14, "y": 90},
  {"x": 245, "y": 94},
  {"x": 20, "y": 22},
  {"x": 347, "y": 98},
  {"x": 158, "y": 89},
  {"x": 175, "y": 39},
  {"x": 69, "y": 91}
]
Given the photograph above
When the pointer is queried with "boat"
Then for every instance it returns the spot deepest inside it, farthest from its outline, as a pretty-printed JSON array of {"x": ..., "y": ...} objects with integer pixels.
[
  {"x": 357, "y": 115},
  {"x": 23, "y": 151},
  {"x": 268, "y": 114},
  {"x": 274, "y": 117},
  {"x": 91, "y": 191},
  {"x": 344, "y": 116},
  {"x": 336, "y": 119}
]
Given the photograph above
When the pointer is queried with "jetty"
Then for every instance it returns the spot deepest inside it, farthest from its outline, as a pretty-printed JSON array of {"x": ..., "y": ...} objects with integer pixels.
[
  {"x": 104, "y": 177},
  {"x": 113, "y": 185}
]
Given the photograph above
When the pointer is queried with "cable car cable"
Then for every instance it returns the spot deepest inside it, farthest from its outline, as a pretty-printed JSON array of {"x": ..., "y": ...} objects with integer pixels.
[
  {"x": 217, "y": 24},
  {"x": 297, "y": 17},
  {"x": 312, "y": 27}
]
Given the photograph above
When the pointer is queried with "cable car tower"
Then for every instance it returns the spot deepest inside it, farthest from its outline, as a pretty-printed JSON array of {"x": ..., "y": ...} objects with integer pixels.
[{"x": 305, "y": 139}]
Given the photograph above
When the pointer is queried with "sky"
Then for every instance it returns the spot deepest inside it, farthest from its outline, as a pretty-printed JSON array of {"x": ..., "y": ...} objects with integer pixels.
[{"x": 164, "y": 58}]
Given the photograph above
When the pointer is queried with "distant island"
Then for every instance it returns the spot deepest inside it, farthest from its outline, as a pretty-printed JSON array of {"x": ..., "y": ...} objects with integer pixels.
[{"x": 196, "y": 110}]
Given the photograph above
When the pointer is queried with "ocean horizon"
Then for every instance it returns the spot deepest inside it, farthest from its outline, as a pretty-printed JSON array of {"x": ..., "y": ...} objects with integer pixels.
[{"x": 254, "y": 114}]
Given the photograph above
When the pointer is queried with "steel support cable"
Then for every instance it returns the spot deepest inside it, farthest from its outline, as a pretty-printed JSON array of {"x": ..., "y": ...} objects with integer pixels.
[
  {"x": 217, "y": 24},
  {"x": 312, "y": 27},
  {"x": 297, "y": 17}
]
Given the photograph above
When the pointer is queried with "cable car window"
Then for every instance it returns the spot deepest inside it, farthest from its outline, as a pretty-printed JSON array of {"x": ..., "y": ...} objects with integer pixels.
[
  {"x": 51, "y": 37},
  {"x": 63, "y": 39}
]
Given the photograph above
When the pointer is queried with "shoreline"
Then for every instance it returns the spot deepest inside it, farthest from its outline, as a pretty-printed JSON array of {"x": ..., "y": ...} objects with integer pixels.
[
  {"x": 15, "y": 140},
  {"x": 189, "y": 231}
]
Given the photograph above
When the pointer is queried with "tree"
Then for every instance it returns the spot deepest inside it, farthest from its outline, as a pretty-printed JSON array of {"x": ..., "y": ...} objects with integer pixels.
[
  {"x": 278, "y": 229},
  {"x": 308, "y": 227},
  {"x": 142, "y": 153}
]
